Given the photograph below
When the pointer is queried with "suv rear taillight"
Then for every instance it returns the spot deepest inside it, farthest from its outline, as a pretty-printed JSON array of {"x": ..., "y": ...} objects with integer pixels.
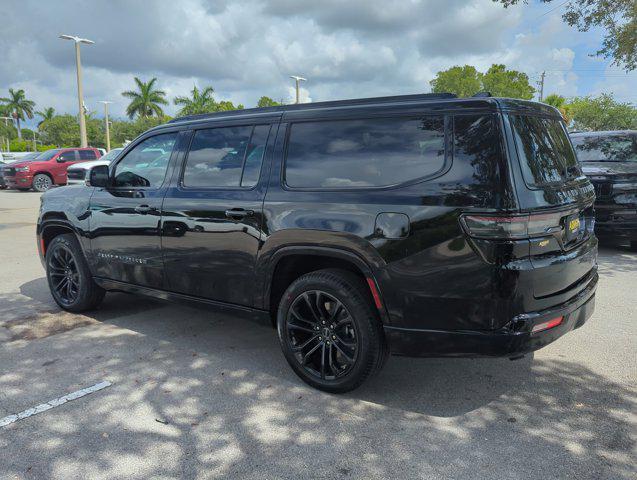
[{"x": 506, "y": 227}]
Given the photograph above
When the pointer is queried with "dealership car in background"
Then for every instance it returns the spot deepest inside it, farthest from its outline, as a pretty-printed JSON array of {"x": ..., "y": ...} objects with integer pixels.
[
  {"x": 76, "y": 174},
  {"x": 47, "y": 169},
  {"x": 8, "y": 160},
  {"x": 609, "y": 159}
]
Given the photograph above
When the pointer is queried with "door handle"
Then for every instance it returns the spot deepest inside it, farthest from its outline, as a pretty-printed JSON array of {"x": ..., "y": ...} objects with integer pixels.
[
  {"x": 144, "y": 209},
  {"x": 237, "y": 213}
]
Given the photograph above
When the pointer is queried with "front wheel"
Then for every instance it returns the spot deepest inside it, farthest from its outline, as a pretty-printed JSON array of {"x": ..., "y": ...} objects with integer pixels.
[
  {"x": 329, "y": 330},
  {"x": 69, "y": 277},
  {"x": 42, "y": 182}
]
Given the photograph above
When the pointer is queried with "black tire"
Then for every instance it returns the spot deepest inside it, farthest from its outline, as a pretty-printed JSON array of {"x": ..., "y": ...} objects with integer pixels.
[
  {"x": 345, "y": 315},
  {"x": 70, "y": 281},
  {"x": 41, "y": 182},
  {"x": 23, "y": 189}
]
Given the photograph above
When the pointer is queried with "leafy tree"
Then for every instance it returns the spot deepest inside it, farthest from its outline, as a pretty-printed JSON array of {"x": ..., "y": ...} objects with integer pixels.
[
  {"x": 463, "y": 81},
  {"x": 46, "y": 114},
  {"x": 467, "y": 81},
  {"x": 225, "y": 105},
  {"x": 122, "y": 131},
  {"x": 602, "y": 113},
  {"x": 501, "y": 82},
  {"x": 200, "y": 101},
  {"x": 61, "y": 130},
  {"x": 146, "y": 101},
  {"x": 617, "y": 17},
  {"x": 19, "y": 106},
  {"x": 267, "y": 102},
  {"x": 561, "y": 104}
]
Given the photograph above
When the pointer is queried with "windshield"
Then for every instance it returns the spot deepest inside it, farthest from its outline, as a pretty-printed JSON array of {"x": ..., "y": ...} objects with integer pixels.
[
  {"x": 29, "y": 157},
  {"x": 546, "y": 154},
  {"x": 110, "y": 156},
  {"x": 611, "y": 148},
  {"x": 48, "y": 155}
]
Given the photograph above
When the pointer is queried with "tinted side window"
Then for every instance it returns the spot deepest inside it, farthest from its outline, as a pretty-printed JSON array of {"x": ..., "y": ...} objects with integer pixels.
[
  {"x": 254, "y": 156},
  {"x": 226, "y": 157},
  {"x": 476, "y": 156},
  {"x": 365, "y": 152},
  {"x": 68, "y": 156},
  {"x": 146, "y": 164},
  {"x": 87, "y": 155}
]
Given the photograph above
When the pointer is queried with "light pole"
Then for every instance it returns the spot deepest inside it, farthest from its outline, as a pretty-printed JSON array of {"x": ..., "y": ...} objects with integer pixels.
[
  {"x": 78, "y": 64},
  {"x": 6, "y": 125},
  {"x": 108, "y": 133},
  {"x": 298, "y": 79}
]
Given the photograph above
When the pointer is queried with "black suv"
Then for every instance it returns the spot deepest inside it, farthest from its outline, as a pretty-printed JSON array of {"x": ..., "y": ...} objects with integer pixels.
[
  {"x": 420, "y": 225},
  {"x": 609, "y": 159}
]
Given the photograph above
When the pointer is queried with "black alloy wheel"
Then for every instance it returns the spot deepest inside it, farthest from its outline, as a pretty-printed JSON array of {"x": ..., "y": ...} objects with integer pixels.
[
  {"x": 64, "y": 273},
  {"x": 69, "y": 276},
  {"x": 330, "y": 331},
  {"x": 322, "y": 335}
]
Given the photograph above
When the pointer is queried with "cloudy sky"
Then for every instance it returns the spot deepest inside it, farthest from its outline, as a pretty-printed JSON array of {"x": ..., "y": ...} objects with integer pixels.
[{"x": 248, "y": 48}]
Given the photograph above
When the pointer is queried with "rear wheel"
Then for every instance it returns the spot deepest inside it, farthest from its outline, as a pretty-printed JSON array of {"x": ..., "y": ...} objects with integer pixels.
[
  {"x": 329, "y": 330},
  {"x": 42, "y": 182},
  {"x": 68, "y": 275}
]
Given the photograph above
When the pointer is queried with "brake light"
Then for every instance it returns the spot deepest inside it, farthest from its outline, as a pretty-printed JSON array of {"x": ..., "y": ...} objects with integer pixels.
[
  {"x": 546, "y": 325},
  {"x": 511, "y": 226}
]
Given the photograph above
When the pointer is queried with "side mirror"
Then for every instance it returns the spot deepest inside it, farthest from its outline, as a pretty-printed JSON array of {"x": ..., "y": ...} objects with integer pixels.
[{"x": 98, "y": 176}]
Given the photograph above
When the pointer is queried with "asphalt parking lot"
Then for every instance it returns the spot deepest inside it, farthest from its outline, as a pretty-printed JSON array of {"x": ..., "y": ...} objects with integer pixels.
[{"x": 195, "y": 394}]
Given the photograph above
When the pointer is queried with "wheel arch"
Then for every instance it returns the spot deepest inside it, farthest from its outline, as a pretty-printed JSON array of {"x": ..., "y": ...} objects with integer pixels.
[
  {"x": 44, "y": 172},
  {"x": 289, "y": 263},
  {"x": 54, "y": 227}
]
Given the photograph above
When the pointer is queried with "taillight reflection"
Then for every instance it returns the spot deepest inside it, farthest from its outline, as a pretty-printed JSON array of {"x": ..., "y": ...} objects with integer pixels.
[{"x": 546, "y": 325}]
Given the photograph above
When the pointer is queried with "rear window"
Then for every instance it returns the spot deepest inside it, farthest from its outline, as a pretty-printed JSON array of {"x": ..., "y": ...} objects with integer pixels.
[
  {"x": 87, "y": 155},
  {"x": 546, "y": 154},
  {"x": 611, "y": 148},
  {"x": 365, "y": 152}
]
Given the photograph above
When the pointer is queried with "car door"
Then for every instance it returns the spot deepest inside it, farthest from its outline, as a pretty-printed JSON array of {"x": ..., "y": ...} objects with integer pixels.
[
  {"x": 60, "y": 163},
  {"x": 125, "y": 216},
  {"x": 212, "y": 216}
]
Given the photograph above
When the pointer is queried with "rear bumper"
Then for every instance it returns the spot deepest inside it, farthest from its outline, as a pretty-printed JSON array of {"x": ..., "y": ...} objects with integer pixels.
[{"x": 511, "y": 341}]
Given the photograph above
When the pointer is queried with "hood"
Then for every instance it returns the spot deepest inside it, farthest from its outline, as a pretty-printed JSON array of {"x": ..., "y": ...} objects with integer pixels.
[
  {"x": 609, "y": 169},
  {"x": 87, "y": 165}
]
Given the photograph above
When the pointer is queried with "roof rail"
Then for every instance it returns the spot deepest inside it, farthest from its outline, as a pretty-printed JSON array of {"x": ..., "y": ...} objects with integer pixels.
[{"x": 313, "y": 105}]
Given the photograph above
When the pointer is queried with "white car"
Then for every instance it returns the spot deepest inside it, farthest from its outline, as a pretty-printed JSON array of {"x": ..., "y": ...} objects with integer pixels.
[{"x": 77, "y": 173}]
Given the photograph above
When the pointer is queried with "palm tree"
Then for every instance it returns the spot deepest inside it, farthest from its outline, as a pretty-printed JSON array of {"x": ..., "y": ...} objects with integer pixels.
[
  {"x": 19, "y": 106},
  {"x": 200, "y": 102},
  {"x": 145, "y": 102},
  {"x": 46, "y": 114},
  {"x": 561, "y": 104}
]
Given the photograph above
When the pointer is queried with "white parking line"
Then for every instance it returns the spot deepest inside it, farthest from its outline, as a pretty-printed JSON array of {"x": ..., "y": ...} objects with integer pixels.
[{"x": 43, "y": 407}]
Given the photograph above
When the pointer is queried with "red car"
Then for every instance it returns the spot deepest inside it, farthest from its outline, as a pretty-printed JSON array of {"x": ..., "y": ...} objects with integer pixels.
[{"x": 46, "y": 170}]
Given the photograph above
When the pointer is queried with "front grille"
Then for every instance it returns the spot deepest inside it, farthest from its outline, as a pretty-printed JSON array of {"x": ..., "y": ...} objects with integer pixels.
[
  {"x": 75, "y": 174},
  {"x": 603, "y": 189},
  {"x": 9, "y": 172}
]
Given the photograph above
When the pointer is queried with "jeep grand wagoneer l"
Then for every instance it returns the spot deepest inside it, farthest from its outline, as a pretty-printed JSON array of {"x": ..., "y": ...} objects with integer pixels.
[{"x": 420, "y": 225}]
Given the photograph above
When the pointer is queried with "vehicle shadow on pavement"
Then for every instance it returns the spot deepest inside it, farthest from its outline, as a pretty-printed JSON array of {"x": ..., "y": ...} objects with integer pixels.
[{"x": 201, "y": 395}]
